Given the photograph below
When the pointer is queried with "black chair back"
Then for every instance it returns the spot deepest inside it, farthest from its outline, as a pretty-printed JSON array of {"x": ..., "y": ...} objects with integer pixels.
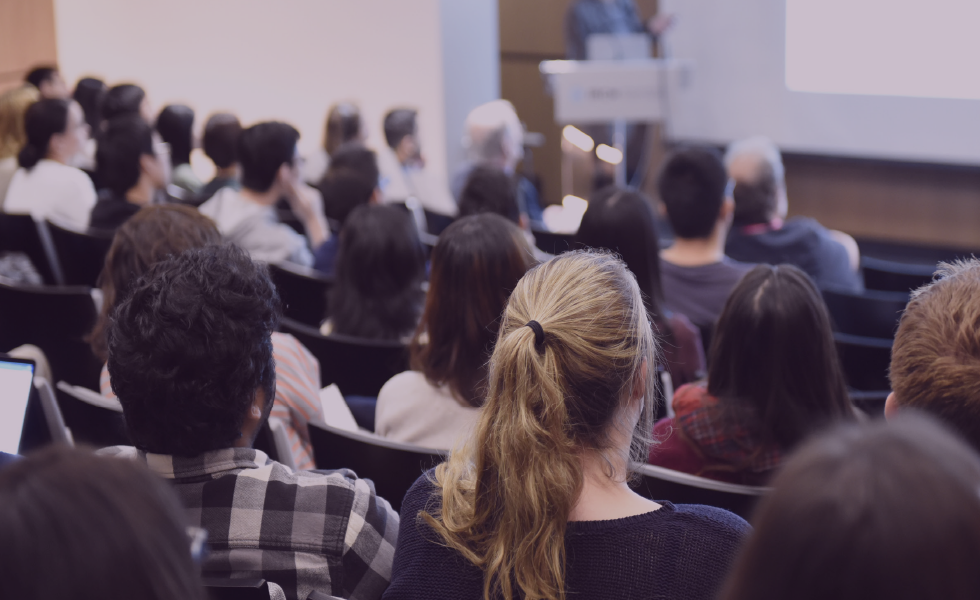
[
  {"x": 658, "y": 483},
  {"x": 303, "y": 292},
  {"x": 870, "y": 403},
  {"x": 89, "y": 423},
  {"x": 891, "y": 276},
  {"x": 553, "y": 243},
  {"x": 435, "y": 222},
  {"x": 393, "y": 467},
  {"x": 358, "y": 367},
  {"x": 80, "y": 253},
  {"x": 865, "y": 361},
  {"x": 20, "y": 233},
  {"x": 220, "y": 588},
  {"x": 57, "y": 319},
  {"x": 869, "y": 314}
]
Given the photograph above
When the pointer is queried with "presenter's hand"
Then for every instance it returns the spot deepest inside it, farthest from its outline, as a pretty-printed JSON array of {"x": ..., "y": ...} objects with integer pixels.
[{"x": 658, "y": 24}]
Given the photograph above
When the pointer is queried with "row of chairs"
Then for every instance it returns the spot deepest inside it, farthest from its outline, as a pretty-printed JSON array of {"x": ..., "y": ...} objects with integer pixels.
[{"x": 61, "y": 254}]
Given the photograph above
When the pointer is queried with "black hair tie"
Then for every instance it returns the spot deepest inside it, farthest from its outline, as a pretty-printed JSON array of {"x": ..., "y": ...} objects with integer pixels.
[{"x": 538, "y": 334}]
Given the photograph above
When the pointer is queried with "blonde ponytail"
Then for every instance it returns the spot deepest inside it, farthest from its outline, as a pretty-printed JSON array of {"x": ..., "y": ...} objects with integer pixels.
[{"x": 506, "y": 498}]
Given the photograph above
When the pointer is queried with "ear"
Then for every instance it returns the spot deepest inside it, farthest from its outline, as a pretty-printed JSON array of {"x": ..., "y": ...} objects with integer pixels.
[
  {"x": 376, "y": 196},
  {"x": 891, "y": 406},
  {"x": 147, "y": 163},
  {"x": 640, "y": 385},
  {"x": 284, "y": 173}
]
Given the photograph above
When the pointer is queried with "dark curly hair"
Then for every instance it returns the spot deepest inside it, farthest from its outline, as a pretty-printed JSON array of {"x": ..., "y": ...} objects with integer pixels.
[{"x": 190, "y": 346}]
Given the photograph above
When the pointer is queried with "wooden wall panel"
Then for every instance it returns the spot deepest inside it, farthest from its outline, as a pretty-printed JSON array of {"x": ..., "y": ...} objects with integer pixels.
[{"x": 27, "y": 38}]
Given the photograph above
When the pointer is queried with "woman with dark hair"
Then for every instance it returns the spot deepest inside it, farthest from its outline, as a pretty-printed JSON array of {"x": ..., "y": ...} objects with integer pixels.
[
  {"x": 343, "y": 125},
  {"x": 90, "y": 93},
  {"x": 175, "y": 124},
  {"x": 380, "y": 268},
  {"x": 126, "y": 99},
  {"x": 157, "y": 232},
  {"x": 774, "y": 377},
  {"x": 45, "y": 185},
  {"x": 623, "y": 221},
  {"x": 75, "y": 525},
  {"x": 475, "y": 265},
  {"x": 887, "y": 511}
]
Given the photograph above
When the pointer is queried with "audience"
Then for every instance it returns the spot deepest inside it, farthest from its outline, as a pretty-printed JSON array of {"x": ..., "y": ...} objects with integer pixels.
[
  {"x": 403, "y": 175},
  {"x": 760, "y": 234},
  {"x": 191, "y": 359},
  {"x": 49, "y": 83},
  {"x": 175, "y": 124},
  {"x": 131, "y": 171},
  {"x": 44, "y": 185},
  {"x": 13, "y": 105},
  {"x": 380, "y": 268},
  {"x": 774, "y": 377},
  {"x": 623, "y": 221},
  {"x": 220, "y": 141},
  {"x": 885, "y": 511},
  {"x": 77, "y": 526},
  {"x": 475, "y": 265},
  {"x": 269, "y": 170},
  {"x": 697, "y": 276},
  {"x": 538, "y": 504},
  {"x": 343, "y": 127},
  {"x": 90, "y": 94},
  {"x": 161, "y": 231},
  {"x": 126, "y": 99},
  {"x": 344, "y": 189}
]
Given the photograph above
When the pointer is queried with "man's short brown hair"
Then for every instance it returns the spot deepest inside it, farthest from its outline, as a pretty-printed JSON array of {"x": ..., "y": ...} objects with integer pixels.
[{"x": 936, "y": 356}]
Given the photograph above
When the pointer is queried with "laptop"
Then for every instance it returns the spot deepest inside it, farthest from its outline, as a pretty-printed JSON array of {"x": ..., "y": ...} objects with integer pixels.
[{"x": 16, "y": 379}]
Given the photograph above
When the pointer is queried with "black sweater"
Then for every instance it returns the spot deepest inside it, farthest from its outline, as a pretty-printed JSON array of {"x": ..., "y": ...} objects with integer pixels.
[{"x": 678, "y": 552}]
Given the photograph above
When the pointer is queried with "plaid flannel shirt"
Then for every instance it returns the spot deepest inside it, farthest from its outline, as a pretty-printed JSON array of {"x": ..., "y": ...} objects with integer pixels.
[{"x": 304, "y": 530}]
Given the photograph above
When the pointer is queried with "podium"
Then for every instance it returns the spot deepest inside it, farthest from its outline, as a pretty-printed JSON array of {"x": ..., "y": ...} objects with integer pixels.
[{"x": 614, "y": 92}]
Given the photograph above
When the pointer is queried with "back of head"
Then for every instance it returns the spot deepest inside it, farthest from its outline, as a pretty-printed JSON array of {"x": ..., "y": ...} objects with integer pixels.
[
  {"x": 357, "y": 157},
  {"x": 489, "y": 190},
  {"x": 343, "y": 190},
  {"x": 861, "y": 513},
  {"x": 553, "y": 395},
  {"x": 398, "y": 124},
  {"x": 343, "y": 126},
  {"x": 262, "y": 149},
  {"x": 494, "y": 132},
  {"x": 75, "y": 525},
  {"x": 175, "y": 124},
  {"x": 13, "y": 106},
  {"x": 692, "y": 188},
  {"x": 120, "y": 147},
  {"x": 151, "y": 235},
  {"x": 39, "y": 75},
  {"x": 773, "y": 363},
  {"x": 623, "y": 222},
  {"x": 380, "y": 268},
  {"x": 90, "y": 93},
  {"x": 220, "y": 139},
  {"x": 124, "y": 99},
  {"x": 935, "y": 364},
  {"x": 757, "y": 168},
  {"x": 43, "y": 119},
  {"x": 475, "y": 265}
]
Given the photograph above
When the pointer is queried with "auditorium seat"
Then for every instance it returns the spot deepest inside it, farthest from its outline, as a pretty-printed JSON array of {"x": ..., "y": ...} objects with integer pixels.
[
  {"x": 20, "y": 233},
  {"x": 392, "y": 466},
  {"x": 303, "y": 292},
  {"x": 551, "y": 242},
  {"x": 359, "y": 367},
  {"x": 223, "y": 588},
  {"x": 870, "y": 313},
  {"x": 81, "y": 254},
  {"x": 891, "y": 276},
  {"x": 436, "y": 223},
  {"x": 93, "y": 420},
  {"x": 658, "y": 484},
  {"x": 865, "y": 361}
]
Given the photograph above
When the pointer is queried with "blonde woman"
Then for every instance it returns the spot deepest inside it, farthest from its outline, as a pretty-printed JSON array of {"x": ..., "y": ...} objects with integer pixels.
[
  {"x": 537, "y": 506},
  {"x": 13, "y": 105}
]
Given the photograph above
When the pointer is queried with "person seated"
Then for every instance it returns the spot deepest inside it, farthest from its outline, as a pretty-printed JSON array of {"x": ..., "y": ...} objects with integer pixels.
[
  {"x": 495, "y": 137},
  {"x": 13, "y": 105},
  {"x": 126, "y": 99},
  {"x": 131, "y": 170},
  {"x": 75, "y": 525},
  {"x": 887, "y": 510},
  {"x": 760, "y": 233},
  {"x": 175, "y": 124},
  {"x": 89, "y": 93},
  {"x": 537, "y": 504},
  {"x": 44, "y": 185},
  {"x": 220, "y": 141},
  {"x": 403, "y": 175},
  {"x": 377, "y": 293},
  {"x": 157, "y": 232},
  {"x": 936, "y": 352},
  {"x": 623, "y": 222},
  {"x": 773, "y": 378},
  {"x": 343, "y": 189},
  {"x": 49, "y": 83},
  {"x": 191, "y": 360},
  {"x": 343, "y": 126},
  {"x": 697, "y": 276},
  {"x": 270, "y": 169},
  {"x": 475, "y": 265}
]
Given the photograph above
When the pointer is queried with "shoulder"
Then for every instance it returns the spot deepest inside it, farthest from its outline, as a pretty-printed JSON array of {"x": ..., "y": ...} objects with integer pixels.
[
  {"x": 410, "y": 382},
  {"x": 712, "y": 524}
]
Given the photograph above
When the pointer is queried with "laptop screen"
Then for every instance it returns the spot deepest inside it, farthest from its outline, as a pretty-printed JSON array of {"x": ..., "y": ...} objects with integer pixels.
[{"x": 16, "y": 377}]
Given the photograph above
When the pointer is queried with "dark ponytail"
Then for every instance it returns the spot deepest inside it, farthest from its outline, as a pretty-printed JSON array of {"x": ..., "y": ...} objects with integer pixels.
[{"x": 43, "y": 119}]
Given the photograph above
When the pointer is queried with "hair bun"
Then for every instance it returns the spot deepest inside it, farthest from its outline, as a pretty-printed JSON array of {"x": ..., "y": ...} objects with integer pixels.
[{"x": 29, "y": 156}]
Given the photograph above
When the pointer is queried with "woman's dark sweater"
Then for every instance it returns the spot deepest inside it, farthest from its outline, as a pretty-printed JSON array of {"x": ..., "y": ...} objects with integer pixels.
[{"x": 679, "y": 552}]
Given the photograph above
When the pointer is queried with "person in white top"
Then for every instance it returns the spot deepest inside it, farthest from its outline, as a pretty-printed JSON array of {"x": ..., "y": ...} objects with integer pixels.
[
  {"x": 270, "y": 169},
  {"x": 475, "y": 265},
  {"x": 45, "y": 186}
]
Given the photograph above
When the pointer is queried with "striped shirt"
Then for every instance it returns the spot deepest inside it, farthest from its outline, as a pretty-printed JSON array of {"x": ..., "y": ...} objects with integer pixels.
[{"x": 297, "y": 394}]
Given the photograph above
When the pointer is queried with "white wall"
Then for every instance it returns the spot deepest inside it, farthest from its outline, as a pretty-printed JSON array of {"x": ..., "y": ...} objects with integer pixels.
[{"x": 290, "y": 60}]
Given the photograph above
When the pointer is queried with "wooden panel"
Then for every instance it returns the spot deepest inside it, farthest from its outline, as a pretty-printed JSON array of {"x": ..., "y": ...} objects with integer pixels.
[
  {"x": 533, "y": 27},
  {"x": 27, "y": 38}
]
